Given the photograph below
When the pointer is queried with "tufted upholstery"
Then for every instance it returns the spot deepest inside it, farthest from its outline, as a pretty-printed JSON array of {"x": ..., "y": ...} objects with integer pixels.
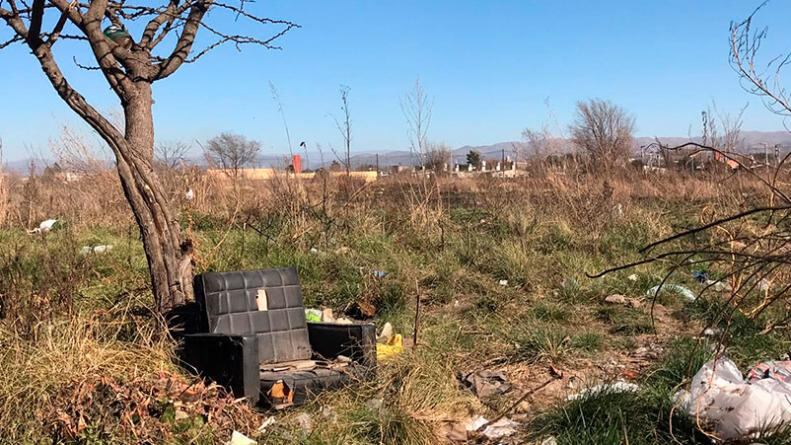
[{"x": 228, "y": 300}]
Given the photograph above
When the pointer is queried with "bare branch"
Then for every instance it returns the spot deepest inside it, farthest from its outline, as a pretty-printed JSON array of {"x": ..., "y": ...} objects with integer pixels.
[
  {"x": 744, "y": 51},
  {"x": 11, "y": 41}
]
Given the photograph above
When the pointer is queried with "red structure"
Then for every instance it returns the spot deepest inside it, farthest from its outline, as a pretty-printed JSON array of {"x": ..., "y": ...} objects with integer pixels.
[{"x": 296, "y": 163}]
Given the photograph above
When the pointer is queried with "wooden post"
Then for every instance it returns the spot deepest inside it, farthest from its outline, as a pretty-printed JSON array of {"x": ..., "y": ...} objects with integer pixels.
[{"x": 417, "y": 314}]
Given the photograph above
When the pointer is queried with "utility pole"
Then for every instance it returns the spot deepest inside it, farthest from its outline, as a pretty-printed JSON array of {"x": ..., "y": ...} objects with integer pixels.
[{"x": 377, "y": 165}]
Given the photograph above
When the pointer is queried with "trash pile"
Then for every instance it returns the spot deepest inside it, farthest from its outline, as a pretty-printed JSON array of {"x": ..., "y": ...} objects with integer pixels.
[
  {"x": 485, "y": 384},
  {"x": 730, "y": 406},
  {"x": 388, "y": 343}
]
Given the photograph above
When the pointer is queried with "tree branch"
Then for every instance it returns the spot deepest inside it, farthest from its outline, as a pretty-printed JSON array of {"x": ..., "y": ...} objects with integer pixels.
[{"x": 185, "y": 41}]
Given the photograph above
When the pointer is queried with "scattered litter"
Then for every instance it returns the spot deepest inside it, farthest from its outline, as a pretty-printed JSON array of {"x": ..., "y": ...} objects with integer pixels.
[
  {"x": 502, "y": 428},
  {"x": 361, "y": 310},
  {"x": 503, "y": 282},
  {"x": 324, "y": 316},
  {"x": 778, "y": 370},
  {"x": 266, "y": 424},
  {"x": 677, "y": 288},
  {"x": 386, "y": 334},
  {"x": 486, "y": 384},
  {"x": 652, "y": 352},
  {"x": 189, "y": 194},
  {"x": 390, "y": 349},
  {"x": 621, "y": 299},
  {"x": 281, "y": 395},
  {"x": 476, "y": 423},
  {"x": 609, "y": 388},
  {"x": 711, "y": 332},
  {"x": 764, "y": 285},
  {"x": 388, "y": 343},
  {"x": 313, "y": 315},
  {"x": 102, "y": 248},
  {"x": 615, "y": 299},
  {"x": 45, "y": 226},
  {"x": 632, "y": 277},
  {"x": 328, "y": 412},
  {"x": 719, "y": 286},
  {"x": 379, "y": 274},
  {"x": 701, "y": 276},
  {"x": 305, "y": 422},
  {"x": 99, "y": 249},
  {"x": 374, "y": 404},
  {"x": 238, "y": 438},
  {"x": 314, "y": 250},
  {"x": 738, "y": 408},
  {"x": 455, "y": 431}
]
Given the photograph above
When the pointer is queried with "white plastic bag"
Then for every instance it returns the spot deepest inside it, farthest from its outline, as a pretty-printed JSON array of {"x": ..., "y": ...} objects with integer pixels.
[{"x": 720, "y": 399}]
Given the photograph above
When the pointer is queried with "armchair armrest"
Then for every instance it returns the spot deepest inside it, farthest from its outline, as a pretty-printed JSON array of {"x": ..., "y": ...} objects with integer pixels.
[
  {"x": 356, "y": 341},
  {"x": 229, "y": 360}
]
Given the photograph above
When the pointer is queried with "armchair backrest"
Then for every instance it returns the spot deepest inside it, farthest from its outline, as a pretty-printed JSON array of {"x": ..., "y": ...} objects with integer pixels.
[{"x": 228, "y": 300}]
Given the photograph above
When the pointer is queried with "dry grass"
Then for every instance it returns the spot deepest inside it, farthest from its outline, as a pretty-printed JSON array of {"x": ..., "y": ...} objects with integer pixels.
[
  {"x": 449, "y": 241},
  {"x": 73, "y": 378}
]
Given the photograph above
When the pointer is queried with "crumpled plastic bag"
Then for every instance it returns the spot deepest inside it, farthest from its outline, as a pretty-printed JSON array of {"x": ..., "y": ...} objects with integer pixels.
[
  {"x": 730, "y": 407},
  {"x": 393, "y": 347}
]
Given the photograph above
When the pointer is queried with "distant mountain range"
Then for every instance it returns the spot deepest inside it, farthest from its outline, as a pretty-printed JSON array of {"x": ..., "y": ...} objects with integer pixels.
[{"x": 753, "y": 141}]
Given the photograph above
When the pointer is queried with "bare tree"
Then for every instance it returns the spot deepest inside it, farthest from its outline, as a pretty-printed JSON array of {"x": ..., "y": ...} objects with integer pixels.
[
  {"x": 344, "y": 125},
  {"x": 763, "y": 79},
  {"x": 724, "y": 132},
  {"x": 171, "y": 155},
  {"x": 437, "y": 157},
  {"x": 603, "y": 131},
  {"x": 130, "y": 66},
  {"x": 542, "y": 143},
  {"x": 417, "y": 109},
  {"x": 749, "y": 248},
  {"x": 231, "y": 152},
  {"x": 74, "y": 152}
]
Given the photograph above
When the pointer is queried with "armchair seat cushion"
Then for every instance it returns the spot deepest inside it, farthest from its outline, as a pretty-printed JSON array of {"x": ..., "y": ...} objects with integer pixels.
[{"x": 303, "y": 384}]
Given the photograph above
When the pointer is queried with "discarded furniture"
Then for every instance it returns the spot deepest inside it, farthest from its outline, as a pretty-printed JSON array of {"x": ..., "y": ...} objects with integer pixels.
[{"x": 255, "y": 340}]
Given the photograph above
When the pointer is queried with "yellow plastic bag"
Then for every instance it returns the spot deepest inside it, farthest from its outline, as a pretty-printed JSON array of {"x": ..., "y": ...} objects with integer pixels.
[{"x": 391, "y": 348}]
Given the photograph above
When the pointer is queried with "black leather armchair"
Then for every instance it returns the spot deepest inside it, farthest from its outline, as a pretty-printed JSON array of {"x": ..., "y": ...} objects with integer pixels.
[{"x": 242, "y": 347}]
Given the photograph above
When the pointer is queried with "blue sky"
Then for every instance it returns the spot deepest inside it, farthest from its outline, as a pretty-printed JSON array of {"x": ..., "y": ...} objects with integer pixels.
[{"x": 491, "y": 68}]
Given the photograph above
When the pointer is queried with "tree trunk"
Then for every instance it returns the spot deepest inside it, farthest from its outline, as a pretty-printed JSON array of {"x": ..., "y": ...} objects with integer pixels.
[{"x": 169, "y": 256}]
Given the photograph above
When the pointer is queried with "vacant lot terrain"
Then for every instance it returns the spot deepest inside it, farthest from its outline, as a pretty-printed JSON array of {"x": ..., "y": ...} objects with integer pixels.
[{"x": 499, "y": 267}]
